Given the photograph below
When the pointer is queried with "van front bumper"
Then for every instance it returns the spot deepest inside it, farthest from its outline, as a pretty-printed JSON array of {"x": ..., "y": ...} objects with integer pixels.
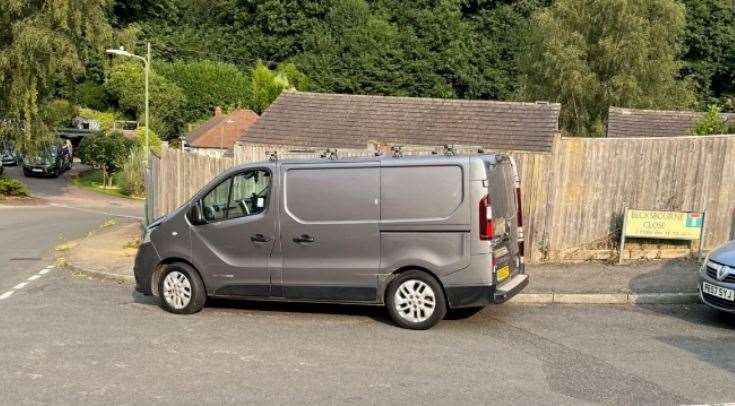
[
  {"x": 145, "y": 262},
  {"x": 461, "y": 296}
]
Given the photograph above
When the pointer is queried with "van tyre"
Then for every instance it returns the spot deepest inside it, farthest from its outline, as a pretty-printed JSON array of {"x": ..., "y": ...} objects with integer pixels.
[
  {"x": 415, "y": 300},
  {"x": 181, "y": 290}
]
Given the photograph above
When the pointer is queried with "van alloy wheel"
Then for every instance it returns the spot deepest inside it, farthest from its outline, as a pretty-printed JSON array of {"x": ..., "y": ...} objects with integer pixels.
[
  {"x": 177, "y": 290},
  {"x": 415, "y": 301}
]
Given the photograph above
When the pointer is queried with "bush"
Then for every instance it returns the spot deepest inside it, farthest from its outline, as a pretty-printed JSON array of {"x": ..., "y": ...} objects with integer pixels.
[
  {"x": 154, "y": 142},
  {"x": 106, "y": 119},
  {"x": 131, "y": 179},
  {"x": 106, "y": 152},
  {"x": 711, "y": 123},
  {"x": 58, "y": 113},
  {"x": 12, "y": 187}
]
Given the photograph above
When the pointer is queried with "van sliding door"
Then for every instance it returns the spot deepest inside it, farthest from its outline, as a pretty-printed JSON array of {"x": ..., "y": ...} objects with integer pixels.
[{"x": 329, "y": 231}]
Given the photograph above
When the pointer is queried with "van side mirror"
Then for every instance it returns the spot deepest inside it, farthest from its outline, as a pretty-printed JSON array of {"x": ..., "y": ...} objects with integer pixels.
[{"x": 196, "y": 216}]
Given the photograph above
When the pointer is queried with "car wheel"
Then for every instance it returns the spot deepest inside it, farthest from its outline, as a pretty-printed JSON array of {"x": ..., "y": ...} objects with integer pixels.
[
  {"x": 181, "y": 290},
  {"x": 416, "y": 300},
  {"x": 26, "y": 172}
]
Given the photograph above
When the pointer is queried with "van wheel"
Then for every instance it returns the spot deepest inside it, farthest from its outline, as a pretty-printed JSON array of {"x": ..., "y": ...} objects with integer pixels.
[
  {"x": 416, "y": 301},
  {"x": 181, "y": 290}
]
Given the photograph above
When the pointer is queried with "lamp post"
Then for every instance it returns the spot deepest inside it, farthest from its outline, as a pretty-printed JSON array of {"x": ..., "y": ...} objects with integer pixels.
[{"x": 147, "y": 65}]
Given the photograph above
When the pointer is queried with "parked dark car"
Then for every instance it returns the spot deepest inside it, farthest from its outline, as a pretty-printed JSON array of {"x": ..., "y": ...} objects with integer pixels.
[
  {"x": 9, "y": 158},
  {"x": 50, "y": 161},
  {"x": 717, "y": 279}
]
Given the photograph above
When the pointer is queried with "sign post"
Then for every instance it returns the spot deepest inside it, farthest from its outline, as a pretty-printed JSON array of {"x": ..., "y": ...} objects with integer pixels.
[{"x": 665, "y": 225}]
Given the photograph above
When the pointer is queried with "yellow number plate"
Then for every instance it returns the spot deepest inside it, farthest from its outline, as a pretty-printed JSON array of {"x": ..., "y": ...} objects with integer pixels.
[{"x": 503, "y": 273}]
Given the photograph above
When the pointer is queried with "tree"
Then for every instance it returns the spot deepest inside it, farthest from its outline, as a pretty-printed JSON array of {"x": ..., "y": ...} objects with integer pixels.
[
  {"x": 710, "y": 49},
  {"x": 206, "y": 84},
  {"x": 106, "y": 152},
  {"x": 43, "y": 45},
  {"x": 711, "y": 123},
  {"x": 126, "y": 84},
  {"x": 591, "y": 55},
  {"x": 266, "y": 84}
]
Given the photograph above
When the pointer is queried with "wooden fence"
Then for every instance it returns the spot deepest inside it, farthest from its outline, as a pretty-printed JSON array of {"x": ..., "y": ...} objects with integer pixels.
[{"x": 573, "y": 198}]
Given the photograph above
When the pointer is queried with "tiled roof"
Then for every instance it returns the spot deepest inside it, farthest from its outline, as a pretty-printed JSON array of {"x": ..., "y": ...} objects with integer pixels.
[
  {"x": 653, "y": 123},
  {"x": 351, "y": 121},
  {"x": 219, "y": 131}
]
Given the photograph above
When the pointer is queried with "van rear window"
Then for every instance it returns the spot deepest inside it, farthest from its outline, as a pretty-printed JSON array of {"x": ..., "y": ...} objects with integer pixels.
[
  {"x": 420, "y": 192},
  {"x": 501, "y": 190}
]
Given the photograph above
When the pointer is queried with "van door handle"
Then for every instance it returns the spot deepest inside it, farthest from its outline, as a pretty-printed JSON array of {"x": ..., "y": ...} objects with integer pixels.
[
  {"x": 304, "y": 238},
  {"x": 259, "y": 238}
]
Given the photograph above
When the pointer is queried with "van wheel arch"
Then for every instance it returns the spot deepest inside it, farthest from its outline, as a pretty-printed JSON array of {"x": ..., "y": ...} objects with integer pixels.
[
  {"x": 156, "y": 275},
  {"x": 407, "y": 268}
]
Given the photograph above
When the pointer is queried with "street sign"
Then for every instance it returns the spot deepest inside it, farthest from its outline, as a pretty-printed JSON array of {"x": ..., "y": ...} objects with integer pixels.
[{"x": 660, "y": 224}]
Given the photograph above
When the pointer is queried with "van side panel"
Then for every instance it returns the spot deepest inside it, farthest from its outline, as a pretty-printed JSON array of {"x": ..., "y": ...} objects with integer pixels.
[{"x": 425, "y": 215}]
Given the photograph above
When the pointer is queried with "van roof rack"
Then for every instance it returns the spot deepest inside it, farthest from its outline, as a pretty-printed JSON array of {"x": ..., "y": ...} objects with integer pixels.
[{"x": 329, "y": 153}]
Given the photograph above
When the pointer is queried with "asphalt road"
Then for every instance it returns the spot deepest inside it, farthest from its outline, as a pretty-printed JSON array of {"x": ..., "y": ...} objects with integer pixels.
[
  {"x": 66, "y": 339},
  {"x": 61, "y": 212}
]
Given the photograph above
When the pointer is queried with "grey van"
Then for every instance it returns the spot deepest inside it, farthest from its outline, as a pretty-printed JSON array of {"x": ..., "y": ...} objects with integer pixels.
[{"x": 420, "y": 235}]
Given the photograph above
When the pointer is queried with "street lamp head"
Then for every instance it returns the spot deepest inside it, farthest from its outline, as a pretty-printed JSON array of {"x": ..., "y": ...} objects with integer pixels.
[{"x": 121, "y": 52}]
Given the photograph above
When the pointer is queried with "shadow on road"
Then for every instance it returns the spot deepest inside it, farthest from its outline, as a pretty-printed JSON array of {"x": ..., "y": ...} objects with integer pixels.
[
  {"x": 717, "y": 351},
  {"x": 377, "y": 313}
]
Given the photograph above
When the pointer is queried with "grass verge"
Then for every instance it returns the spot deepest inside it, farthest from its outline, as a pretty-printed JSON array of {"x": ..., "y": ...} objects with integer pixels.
[{"x": 92, "y": 180}]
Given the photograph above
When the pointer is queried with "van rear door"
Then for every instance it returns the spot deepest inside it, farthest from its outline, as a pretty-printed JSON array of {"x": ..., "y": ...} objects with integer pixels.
[{"x": 503, "y": 195}]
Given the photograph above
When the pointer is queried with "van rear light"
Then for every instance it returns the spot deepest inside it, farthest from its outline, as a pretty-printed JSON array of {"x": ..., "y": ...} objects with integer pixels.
[
  {"x": 521, "y": 245},
  {"x": 486, "y": 219}
]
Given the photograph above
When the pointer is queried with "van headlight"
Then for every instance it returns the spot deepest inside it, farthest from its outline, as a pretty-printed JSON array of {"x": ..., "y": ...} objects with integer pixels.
[{"x": 147, "y": 235}]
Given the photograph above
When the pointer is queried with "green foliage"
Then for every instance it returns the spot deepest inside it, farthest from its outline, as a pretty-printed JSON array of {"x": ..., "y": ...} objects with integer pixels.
[
  {"x": 42, "y": 48},
  {"x": 105, "y": 118},
  {"x": 206, "y": 84},
  {"x": 58, "y": 113},
  {"x": 106, "y": 152},
  {"x": 131, "y": 179},
  {"x": 154, "y": 142},
  {"x": 126, "y": 83},
  {"x": 92, "y": 95},
  {"x": 266, "y": 85},
  {"x": 711, "y": 123},
  {"x": 710, "y": 53},
  {"x": 591, "y": 55},
  {"x": 12, "y": 188}
]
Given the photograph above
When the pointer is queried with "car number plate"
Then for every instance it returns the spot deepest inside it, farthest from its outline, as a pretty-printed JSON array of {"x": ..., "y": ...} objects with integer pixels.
[
  {"x": 37, "y": 170},
  {"x": 717, "y": 291},
  {"x": 503, "y": 273}
]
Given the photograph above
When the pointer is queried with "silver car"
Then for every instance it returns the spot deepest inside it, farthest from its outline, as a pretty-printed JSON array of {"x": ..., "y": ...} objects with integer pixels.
[
  {"x": 717, "y": 278},
  {"x": 419, "y": 235}
]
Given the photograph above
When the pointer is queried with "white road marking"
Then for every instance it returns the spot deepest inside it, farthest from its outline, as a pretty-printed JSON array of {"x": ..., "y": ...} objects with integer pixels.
[
  {"x": 21, "y": 285},
  {"x": 97, "y": 211}
]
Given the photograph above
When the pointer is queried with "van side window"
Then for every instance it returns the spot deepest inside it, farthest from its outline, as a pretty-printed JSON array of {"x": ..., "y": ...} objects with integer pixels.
[
  {"x": 214, "y": 203},
  {"x": 333, "y": 194},
  {"x": 244, "y": 194},
  {"x": 249, "y": 193}
]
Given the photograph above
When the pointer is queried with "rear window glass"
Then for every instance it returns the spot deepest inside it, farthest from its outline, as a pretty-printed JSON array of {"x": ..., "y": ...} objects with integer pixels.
[
  {"x": 501, "y": 190},
  {"x": 420, "y": 192},
  {"x": 333, "y": 194}
]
